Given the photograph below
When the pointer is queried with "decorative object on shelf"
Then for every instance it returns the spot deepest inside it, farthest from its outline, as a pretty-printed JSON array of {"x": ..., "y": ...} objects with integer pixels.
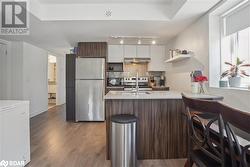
[
  {"x": 178, "y": 55},
  {"x": 73, "y": 50},
  {"x": 171, "y": 53},
  {"x": 223, "y": 84},
  {"x": 235, "y": 72},
  {"x": 184, "y": 52}
]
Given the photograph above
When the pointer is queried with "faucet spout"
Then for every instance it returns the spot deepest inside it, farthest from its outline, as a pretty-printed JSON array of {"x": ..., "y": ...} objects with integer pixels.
[{"x": 137, "y": 82}]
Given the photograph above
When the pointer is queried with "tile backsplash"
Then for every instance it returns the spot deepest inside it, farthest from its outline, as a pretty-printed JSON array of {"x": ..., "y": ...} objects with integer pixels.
[{"x": 131, "y": 69}]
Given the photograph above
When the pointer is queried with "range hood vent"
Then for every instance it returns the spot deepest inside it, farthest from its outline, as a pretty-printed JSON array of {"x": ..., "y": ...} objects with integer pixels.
[{"x": 136, "y": 60}]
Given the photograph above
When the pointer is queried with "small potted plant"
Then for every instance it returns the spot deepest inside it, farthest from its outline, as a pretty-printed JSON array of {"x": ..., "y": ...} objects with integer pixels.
[{"x": 235, "y": 73}]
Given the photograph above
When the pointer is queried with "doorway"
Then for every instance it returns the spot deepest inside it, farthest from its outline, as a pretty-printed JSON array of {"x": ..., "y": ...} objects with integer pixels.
[{"x": 52, "y": 81}]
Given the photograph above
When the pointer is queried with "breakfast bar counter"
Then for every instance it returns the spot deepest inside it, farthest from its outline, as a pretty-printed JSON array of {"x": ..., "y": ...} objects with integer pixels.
[
  {"x": 161, "y": 125},
  {"x": 155, "y": 95}
]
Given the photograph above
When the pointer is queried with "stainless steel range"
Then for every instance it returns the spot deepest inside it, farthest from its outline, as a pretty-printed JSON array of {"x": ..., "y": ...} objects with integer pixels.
[{"x": 130, "y": 83}]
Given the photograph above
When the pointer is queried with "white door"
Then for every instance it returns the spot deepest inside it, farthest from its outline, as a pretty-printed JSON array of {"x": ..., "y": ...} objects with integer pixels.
[
  {"x": 158, "y": 57},
  {"x": 3, "y": 71},
  {"x": 129, "y": 51},
  {"x": 143, "y": 51},
  {"x": 115, "y": 53}
]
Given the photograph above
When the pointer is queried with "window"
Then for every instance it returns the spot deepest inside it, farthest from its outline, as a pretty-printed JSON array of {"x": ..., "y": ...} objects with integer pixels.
[{"x": 235, "y": 40}]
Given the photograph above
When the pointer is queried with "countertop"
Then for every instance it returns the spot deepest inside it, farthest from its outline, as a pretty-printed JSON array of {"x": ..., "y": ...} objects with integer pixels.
[
  {"x": 156, "y": 95},
  {"x": 7, "y": 104}
]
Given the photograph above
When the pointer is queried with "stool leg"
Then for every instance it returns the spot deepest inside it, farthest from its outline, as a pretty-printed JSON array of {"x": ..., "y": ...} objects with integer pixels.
[{"x": 189, "y": 163}]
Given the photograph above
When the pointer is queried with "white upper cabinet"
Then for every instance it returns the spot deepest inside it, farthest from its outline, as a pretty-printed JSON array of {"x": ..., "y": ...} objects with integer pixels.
[
  {"x": 158, "y": 57},
  {"x": 129, "y": 51},
  {"x": 143, "y": 51},
  {"x": 115, "y": 53}
]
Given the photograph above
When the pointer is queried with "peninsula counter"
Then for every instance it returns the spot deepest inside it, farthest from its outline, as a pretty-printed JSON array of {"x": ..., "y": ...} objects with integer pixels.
[{"x": 161, "y": 125}]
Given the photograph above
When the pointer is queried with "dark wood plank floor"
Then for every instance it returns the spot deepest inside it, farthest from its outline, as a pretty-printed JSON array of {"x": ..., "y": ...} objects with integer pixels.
[{"x": 57, "y": 143}]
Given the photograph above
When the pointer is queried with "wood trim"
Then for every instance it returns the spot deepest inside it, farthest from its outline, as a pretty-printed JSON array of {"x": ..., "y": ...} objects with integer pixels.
[{"x": 92, "y": 49}]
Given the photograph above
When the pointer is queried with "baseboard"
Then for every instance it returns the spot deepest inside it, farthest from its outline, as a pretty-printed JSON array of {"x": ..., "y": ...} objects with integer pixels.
[{"x": 36, "y": 113}]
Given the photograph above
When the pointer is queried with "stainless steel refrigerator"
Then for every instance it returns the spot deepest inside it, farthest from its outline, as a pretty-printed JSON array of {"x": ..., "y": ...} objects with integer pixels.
[{"x": 90, "y": 83}]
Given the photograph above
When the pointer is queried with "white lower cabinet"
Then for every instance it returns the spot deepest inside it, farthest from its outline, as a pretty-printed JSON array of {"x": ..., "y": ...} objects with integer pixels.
[{"x": 15, "y": 134}]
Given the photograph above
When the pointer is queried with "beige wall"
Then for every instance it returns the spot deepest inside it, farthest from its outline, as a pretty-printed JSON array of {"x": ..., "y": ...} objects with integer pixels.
[{"x": 196, "y": 39}]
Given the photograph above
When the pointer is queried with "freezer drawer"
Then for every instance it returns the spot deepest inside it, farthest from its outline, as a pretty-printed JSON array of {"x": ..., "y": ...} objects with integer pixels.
[
  {"x": 90, "y": 68},
  {"x": 89, "y": 100}
]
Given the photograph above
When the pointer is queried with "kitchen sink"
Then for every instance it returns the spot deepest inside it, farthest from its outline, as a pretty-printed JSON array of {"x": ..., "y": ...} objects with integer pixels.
[{"x": 136, "y": 93}]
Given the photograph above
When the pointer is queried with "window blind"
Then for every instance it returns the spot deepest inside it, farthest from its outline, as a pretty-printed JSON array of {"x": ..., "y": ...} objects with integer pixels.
[{"x": 237, "y": 20}]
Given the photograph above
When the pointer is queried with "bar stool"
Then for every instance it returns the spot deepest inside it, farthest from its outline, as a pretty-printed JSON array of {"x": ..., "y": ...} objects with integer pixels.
[
  {"x": 213, "y": 141},
  {"x": 205, "y": 148}
]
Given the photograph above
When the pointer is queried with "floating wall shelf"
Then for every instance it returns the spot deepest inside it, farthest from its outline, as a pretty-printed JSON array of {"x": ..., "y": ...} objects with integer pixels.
[{"x": 178, "y": 58}]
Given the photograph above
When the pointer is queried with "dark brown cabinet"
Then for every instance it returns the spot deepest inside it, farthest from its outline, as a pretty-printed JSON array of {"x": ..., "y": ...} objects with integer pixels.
[
  {"x": 92, "y": 49},
  {"x": 70, "y": 86},
  {"x": 161, "y": 126}
]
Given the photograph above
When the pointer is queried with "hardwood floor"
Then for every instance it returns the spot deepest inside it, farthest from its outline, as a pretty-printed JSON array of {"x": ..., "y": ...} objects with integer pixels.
[{"x": 57, "y": 143}]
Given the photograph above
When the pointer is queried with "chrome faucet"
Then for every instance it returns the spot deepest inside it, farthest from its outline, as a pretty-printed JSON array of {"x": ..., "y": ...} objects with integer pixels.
[{"x": 137, "y": 83}]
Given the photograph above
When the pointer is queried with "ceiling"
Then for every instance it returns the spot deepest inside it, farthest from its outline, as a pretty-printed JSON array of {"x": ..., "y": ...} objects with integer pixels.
[
  {"x": 104, "y": 1},
  {"x": 56, "y": 28}
]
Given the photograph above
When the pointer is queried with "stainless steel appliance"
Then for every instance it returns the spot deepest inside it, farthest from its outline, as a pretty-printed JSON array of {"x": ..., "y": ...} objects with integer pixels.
[
  {"x": 137, "y": 60},
  {"x": 130, "y": 83},
  {"x": 90, "y": 82}
]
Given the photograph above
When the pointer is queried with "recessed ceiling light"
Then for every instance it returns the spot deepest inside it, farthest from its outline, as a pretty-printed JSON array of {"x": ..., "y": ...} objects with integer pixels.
[
  {"x": 139, "y": 42},
  {"x": 153, "y": 42},
  {"x": 121, "y": 41}
]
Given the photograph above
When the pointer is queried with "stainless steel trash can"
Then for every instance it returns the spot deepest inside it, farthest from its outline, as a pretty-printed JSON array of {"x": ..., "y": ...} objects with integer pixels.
[{"x": 123, "y": 141}]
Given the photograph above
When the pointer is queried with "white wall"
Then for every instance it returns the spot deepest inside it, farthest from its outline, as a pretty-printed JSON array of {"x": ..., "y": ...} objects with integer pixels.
[
  {"x": 61, "y": 80},
  {"x": 35, "y": 82},
  {"x": 15, "y": 70},
  {"x": 27, "y": 75},
  {"x": 196, "y": 39},
  {"x": 3, "y": 70}
]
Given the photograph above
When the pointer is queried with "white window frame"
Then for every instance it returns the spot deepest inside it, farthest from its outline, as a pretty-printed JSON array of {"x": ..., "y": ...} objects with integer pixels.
[{"x": 222, "y": 26}]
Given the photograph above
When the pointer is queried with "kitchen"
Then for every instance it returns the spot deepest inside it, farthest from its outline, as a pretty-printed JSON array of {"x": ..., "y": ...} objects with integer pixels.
[
  {"x": 125, "y": 61},
  {"x": 131, "y": 68},
  {"x": 133, "y": 88},
  {"x": 159, "y": 110}
]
